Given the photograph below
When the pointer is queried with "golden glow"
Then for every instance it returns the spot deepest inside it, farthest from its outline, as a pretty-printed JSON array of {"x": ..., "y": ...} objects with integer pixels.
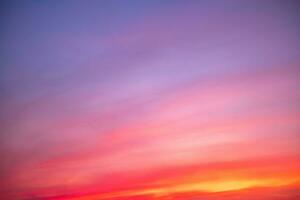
[
  {"x": 221, "y": 186},
  {"x": 207, "y": 187}
]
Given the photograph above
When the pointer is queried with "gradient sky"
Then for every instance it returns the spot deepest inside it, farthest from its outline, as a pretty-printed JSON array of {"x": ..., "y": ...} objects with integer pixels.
[{"x": 150, "y": 100}]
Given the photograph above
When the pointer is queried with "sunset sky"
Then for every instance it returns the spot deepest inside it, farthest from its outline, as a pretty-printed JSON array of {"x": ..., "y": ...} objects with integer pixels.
[{"x": 150, "y": 100}]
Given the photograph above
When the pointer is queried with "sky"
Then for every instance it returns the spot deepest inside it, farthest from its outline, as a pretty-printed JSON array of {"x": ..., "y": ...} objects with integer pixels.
[{"x": 149, "y": 100}]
